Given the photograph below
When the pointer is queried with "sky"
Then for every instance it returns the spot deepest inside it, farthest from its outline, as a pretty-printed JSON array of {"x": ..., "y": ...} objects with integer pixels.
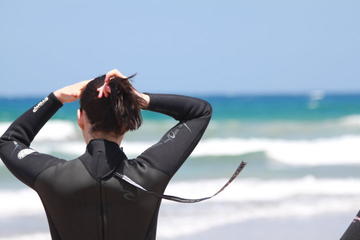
[{"x": 187, "y": 46}]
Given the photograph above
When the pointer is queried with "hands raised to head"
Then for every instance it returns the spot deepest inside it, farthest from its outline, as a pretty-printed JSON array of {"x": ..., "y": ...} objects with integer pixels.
[{"x": 72, "y": 92}]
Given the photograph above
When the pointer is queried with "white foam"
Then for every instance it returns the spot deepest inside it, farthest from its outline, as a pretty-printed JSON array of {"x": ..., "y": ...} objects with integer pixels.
[
  {"x": 326, "y": 151},
  {"x": 69, "y": 148},
  {"x": 351, "y": 121},
  {"x": 246, "y": 190},
  {"x": 54, "y": 130},
  {"x": 33, "y": 236},
  {"x": 332, "y": 151},
  {"x": 23, "y": 202},
  {"x": 58, "y": 130}
]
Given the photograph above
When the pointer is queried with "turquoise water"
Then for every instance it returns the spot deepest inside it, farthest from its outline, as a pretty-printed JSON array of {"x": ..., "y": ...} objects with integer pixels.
[{"x": 247, "y": 108}]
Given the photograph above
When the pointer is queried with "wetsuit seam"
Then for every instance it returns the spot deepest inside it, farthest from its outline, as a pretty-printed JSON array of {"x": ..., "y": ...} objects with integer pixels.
[
  {"x": 153, "y": 167},
  {"x": 166, "y": 174},
  {"x": 102, "y": 210},
  {"x": 105, "y": 211},
  {"x": 37, "y": 175},
  {"x": 87, "y": 169}
]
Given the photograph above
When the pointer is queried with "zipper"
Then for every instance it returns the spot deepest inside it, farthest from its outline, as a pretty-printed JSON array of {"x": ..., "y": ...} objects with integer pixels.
[{"x": 102, "y": 212}]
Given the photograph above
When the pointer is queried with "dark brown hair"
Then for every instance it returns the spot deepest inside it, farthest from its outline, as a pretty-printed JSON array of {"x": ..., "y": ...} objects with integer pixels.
[{"x": 116, "y": 113}]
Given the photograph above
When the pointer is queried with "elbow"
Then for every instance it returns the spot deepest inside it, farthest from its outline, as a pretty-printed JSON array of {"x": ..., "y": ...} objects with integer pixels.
[
  {"x": 3, "y": 141},
  {"x": 206, "y": 109}
]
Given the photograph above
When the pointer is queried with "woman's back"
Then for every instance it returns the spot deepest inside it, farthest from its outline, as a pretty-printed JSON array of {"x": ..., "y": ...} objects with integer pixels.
[{"x": 86, "y": 201}]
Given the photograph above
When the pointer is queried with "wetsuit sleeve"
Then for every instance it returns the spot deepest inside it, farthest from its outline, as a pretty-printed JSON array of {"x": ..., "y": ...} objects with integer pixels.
[
  {"x": 25, "y": 163},
  {"x": 353, "y": 231},
  {"x": 177, "y": 144}
]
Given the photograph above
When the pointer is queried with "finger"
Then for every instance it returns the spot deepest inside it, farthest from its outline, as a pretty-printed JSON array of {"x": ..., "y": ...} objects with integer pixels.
[
  {"x": 114, "y": 73},
  {"x": 107, "y": 91},
  {"x": 121, "y": 75},
  {"x": 105, "y": 94},
  {"x": 107, "y": 78},
  {"x": 100, "y": 92}
]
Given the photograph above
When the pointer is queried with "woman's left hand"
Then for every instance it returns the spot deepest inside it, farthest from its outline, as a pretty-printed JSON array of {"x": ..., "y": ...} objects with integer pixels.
[{"x": 71, "y": 93}]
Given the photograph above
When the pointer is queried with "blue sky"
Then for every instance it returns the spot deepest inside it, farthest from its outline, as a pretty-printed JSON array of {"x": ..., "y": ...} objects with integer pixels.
[{"x": 187, "y": 46}]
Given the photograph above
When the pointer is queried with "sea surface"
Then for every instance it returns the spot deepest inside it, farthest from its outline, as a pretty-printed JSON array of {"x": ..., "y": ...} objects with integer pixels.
[{"x": 303, "y": 155}]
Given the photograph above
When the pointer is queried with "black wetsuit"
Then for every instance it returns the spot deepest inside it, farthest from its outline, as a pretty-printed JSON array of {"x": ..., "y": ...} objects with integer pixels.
[
  {"x": 353, "y": 231},
  {"x": 81, "y": 197}
]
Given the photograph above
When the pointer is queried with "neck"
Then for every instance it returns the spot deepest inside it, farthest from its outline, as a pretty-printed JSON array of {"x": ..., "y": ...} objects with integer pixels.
[{"x": 99, "y": 135}]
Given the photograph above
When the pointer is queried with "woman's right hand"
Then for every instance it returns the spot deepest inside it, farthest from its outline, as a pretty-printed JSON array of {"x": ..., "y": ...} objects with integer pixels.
[{"x": 71, "y": 93}]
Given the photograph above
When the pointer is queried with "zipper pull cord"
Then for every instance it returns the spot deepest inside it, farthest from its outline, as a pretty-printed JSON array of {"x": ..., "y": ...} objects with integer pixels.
[{"x": 175, "y": 198}]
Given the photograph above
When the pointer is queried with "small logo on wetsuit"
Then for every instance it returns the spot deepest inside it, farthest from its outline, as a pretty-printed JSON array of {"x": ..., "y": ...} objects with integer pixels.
[
  {"x": 40, "y": 104},
  {"x": 356, "y": 219},
  {"x": 23, "y": 153}
]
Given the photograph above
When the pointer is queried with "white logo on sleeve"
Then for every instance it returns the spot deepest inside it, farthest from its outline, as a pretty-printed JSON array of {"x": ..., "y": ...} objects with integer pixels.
[
  {"x": 40, "y": 104},
  {"x": 23, "y": 153}
]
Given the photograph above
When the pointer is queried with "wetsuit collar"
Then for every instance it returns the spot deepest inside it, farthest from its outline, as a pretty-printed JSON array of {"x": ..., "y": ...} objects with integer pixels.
[
  {"x": 101, "y": 144},
  {"x": 102, "y": 157}
]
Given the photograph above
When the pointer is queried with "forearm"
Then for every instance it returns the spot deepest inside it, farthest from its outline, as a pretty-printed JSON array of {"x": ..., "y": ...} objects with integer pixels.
[
  {"x": 70, "y": 93},
  {"x": 25, "y": 128},
  {"x": 177, "y": 144},
  {"x": 178, "y": 106}
]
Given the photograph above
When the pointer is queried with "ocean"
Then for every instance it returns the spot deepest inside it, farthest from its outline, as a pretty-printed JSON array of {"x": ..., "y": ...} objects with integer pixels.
[{"x": 302, "y": 176}]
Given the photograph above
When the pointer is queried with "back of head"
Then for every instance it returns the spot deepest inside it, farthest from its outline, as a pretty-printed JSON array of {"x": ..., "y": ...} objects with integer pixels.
[{"x": 116, "y": 113}]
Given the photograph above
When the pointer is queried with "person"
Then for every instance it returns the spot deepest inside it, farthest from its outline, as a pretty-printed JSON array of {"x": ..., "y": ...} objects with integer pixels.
[
  {"x": 353, "y": 231},
  {"x": 82, "y": 198}
]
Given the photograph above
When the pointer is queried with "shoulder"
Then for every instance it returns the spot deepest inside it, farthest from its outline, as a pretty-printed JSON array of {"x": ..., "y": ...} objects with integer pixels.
[{"x": 144, "y": 174}]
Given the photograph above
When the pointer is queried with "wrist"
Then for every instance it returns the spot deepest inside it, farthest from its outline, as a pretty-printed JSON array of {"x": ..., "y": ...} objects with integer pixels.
[
  {"x": 59, "y": 95},
  {"x": 146, "y": 99}
]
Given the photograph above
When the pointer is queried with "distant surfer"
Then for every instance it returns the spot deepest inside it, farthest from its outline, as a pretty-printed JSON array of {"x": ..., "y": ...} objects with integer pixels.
[{"x": 102, "y": 194}]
